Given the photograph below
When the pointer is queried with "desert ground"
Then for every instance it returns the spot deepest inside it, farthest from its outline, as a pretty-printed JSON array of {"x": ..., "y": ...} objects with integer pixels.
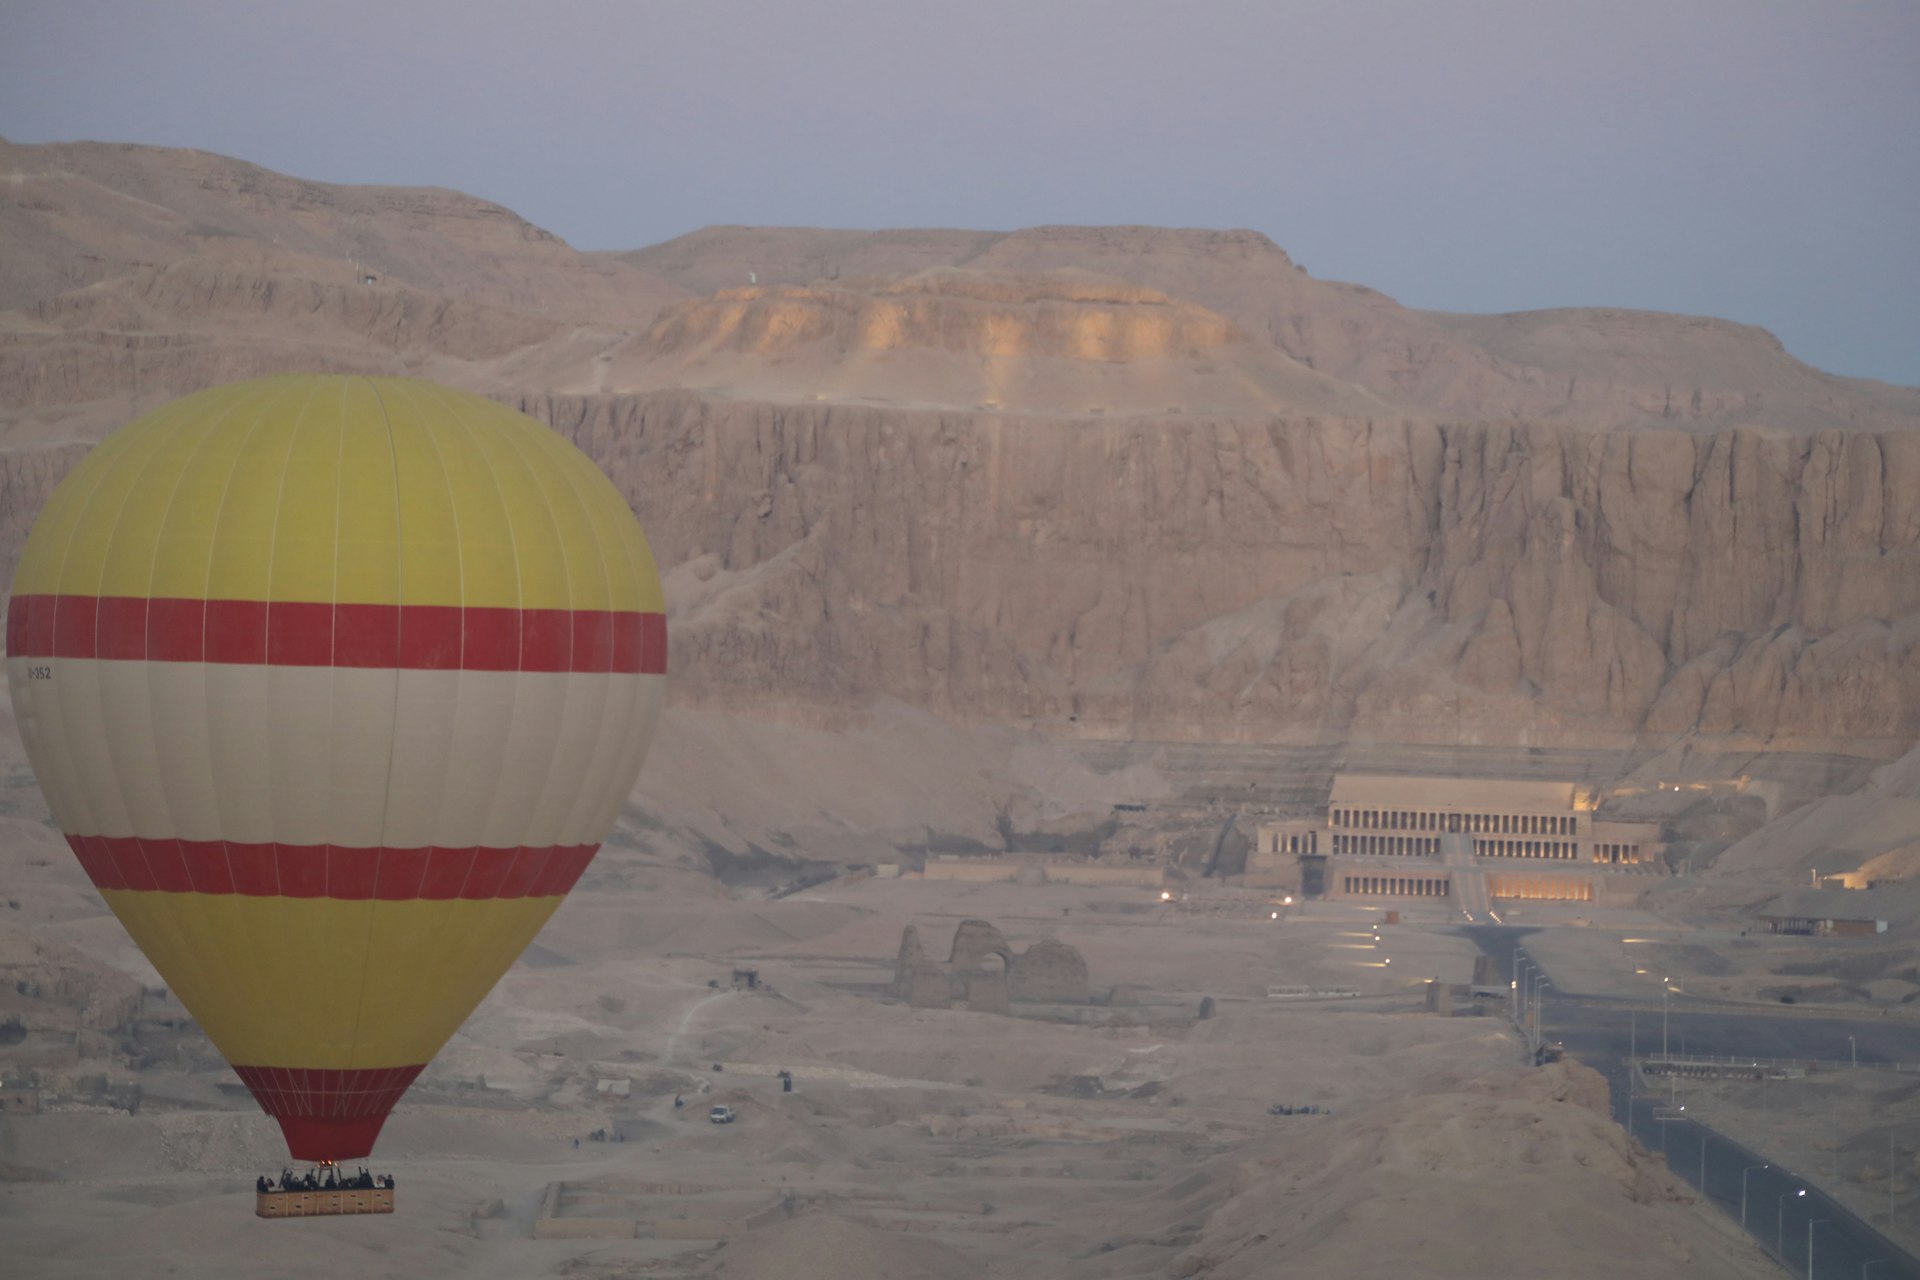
[{"x": 1128, "y": 1137}]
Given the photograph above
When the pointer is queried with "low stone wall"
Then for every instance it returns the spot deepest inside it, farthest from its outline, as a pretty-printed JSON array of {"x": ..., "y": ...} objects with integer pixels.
[
  {"x": 586, "y": 1229},
  {"x": 1272, "y": 875},
  {"x": 1149, "y": 877},
  {"x": 973, "y": 871},
  {"x": 988, "y": 870},
  {"x": 692, "y": 1229}
]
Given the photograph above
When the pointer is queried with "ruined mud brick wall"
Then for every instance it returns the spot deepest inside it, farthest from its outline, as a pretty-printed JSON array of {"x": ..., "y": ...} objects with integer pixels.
[
  {"x": 1049, "y": 971},
  {"x": 974, "y": 941},
  {"x": 986, "y": 992}
]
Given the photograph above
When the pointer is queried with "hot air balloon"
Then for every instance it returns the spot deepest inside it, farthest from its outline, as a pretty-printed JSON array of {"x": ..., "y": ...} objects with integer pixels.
[{"x": 335, "y": 685}]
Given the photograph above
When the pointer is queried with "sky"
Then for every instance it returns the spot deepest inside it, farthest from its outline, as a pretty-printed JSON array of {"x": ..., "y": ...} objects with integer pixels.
[{"x": 1757, "y": 160}]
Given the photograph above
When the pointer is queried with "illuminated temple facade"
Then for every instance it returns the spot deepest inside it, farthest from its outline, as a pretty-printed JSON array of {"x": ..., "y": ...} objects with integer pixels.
[
  {"x": 1398, "y": 836},
  {"x": 1400, "y": 816}
]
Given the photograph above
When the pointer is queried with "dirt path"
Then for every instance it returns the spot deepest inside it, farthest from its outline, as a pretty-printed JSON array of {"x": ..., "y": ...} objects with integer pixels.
[{"x": 686, "y": 1019}]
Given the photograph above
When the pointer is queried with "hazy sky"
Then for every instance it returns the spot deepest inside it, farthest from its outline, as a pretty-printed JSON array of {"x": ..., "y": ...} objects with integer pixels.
[{"x": 1742, "y": 158}]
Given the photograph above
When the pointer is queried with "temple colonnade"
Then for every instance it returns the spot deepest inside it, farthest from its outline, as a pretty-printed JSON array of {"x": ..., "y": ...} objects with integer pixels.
[
  {"x": 1396, "y": 886},
  {"x": 1342, "y": 818}
]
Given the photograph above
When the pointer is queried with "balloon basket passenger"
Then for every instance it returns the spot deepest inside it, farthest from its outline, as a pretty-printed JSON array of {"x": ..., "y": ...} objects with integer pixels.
[{"x": 325, "y": 1190}]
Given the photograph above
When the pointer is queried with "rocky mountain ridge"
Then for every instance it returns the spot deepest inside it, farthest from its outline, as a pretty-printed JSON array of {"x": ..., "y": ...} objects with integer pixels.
[
  {"x": 1059, "y": 341},
  {"x": 1102, "y": 482},
  {"x": 1597, "y": 366}
]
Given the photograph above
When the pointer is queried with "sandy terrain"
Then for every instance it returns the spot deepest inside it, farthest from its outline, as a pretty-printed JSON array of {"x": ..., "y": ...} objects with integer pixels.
[{"x": 935, "y": 1142}]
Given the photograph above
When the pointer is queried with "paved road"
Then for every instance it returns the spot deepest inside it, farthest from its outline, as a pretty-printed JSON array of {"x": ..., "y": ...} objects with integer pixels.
[
  {"x": 1781, "y": 1209},
  {"x": 1604, "y": 1028},
  {"x": 1603, "y": 1032}
]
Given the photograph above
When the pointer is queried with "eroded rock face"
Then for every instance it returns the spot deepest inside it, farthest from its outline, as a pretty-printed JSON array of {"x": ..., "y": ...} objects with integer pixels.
[
  {"x": 1052, "y": 342},
  {"x": 1106, "y": 481},
  {"x": 1281, "y": 579},
  {"x": 1598, "y": 367},
  {"x": 1066, "y": 315}
]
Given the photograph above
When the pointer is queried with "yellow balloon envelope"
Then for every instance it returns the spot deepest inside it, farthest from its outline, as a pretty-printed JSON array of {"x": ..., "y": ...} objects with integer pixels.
[{"x": 335, "y": 686}]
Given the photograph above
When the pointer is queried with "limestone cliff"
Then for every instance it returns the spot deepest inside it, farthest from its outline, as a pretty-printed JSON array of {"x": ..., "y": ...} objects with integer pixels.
[
  {"x": 1590, "y": 366},
  {"x": 1107, "y": 481},
  {"x": 1288, "y": 579},
  {"x": 1058, "y": 341}
]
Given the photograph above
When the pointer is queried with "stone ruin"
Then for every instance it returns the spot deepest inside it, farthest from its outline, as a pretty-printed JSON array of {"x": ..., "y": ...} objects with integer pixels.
[
  {"x": 982, "y": 973},
  {"x": 1049, "y": 971}
]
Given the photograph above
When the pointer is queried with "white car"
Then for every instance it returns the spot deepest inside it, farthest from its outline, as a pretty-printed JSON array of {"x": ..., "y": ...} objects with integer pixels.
[{"x": 721, "y": 1115}]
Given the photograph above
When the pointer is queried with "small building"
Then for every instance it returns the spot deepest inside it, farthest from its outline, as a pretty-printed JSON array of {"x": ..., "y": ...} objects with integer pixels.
[{"x": 1823, "y": 913}]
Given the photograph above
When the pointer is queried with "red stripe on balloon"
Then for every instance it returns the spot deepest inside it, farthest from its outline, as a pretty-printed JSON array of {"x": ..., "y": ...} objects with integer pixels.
[
  {"x": 416, "y": 637},
  {"x": 325, "y": 1092},
  {"x": 330, "y": 871},
  {"x": 328, "y": 1114}
]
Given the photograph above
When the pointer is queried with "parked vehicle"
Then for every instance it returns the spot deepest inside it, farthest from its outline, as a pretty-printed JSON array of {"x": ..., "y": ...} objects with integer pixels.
[{"x": 721, "y": 1115}]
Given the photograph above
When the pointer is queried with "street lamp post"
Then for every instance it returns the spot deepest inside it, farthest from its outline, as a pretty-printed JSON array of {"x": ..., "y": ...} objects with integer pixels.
[
  {"x": 1743, "y": 1191},
  {"x": 1519, "y": 989},
  {"x": 1671, "y": 1113},
  {"x": 1527, "y": 991},
  {"x": 1540, "y": 1013},
  {"x": 1780, "y": 1222},
  {"x": 1811, "y": 1224},
  {"x": 1889, "y": 1177},
  {"x": 1528, "y": 984},
  {"x": 1513, "y": 986},
  {"x": 1539, "y": 985},
  {"x": 1667, "y": 993}
]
